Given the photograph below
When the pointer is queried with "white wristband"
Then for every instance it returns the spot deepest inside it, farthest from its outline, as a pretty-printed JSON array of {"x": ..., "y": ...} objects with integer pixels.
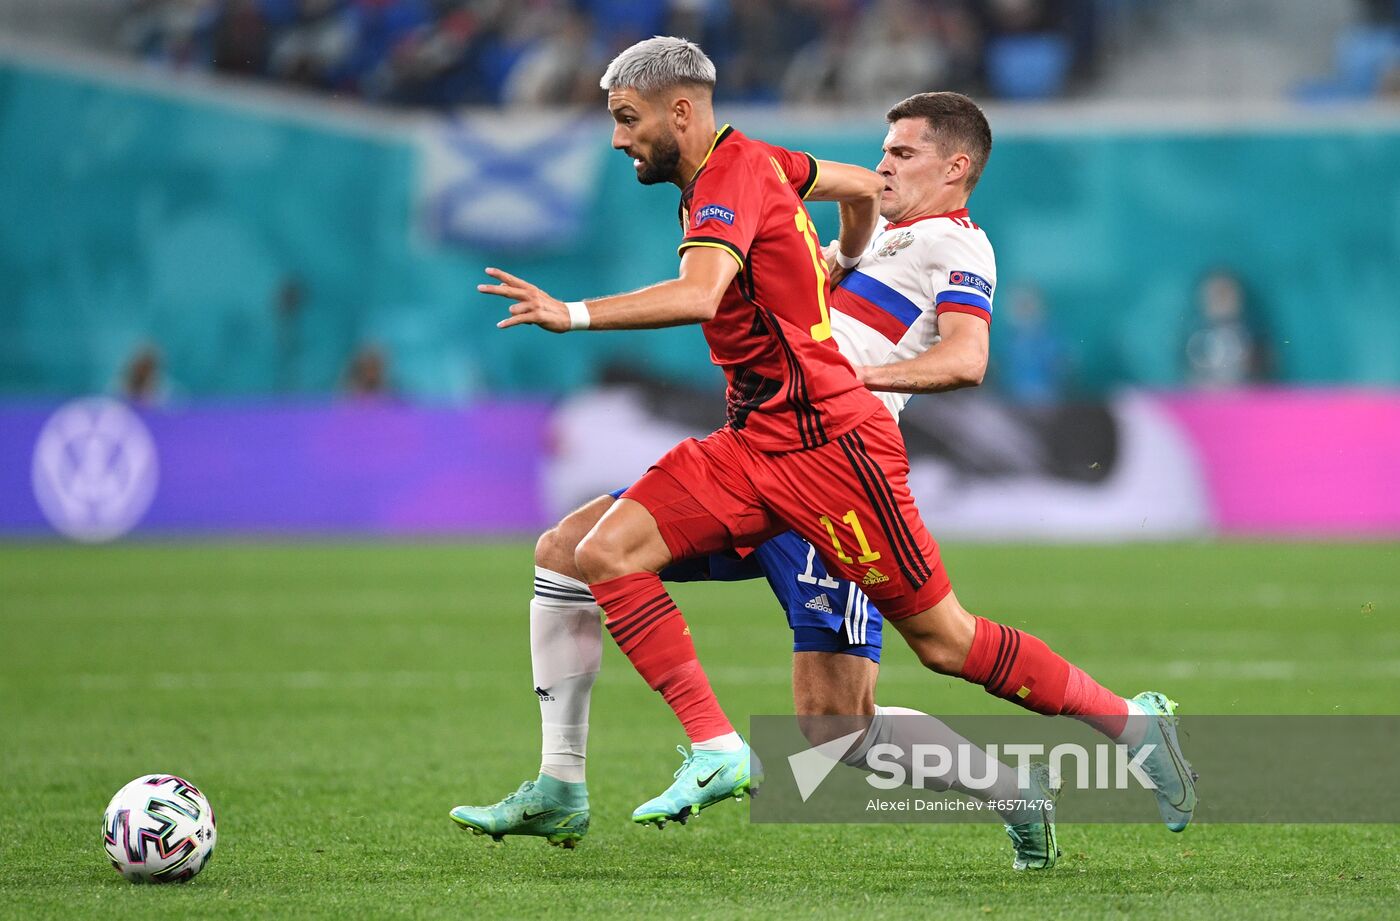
[
  {"x": 578, "y": 315},
  {"x": 846, "y": 262}
]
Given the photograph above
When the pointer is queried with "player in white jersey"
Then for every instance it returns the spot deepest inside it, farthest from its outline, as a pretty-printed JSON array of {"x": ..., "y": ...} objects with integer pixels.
[
  {"x": 915, "y": 272},
  {"x": 912, "y": 313}
]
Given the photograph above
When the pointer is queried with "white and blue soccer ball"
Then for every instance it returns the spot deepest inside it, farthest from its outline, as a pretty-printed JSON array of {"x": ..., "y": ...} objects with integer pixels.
[{"x": 159, "y": 829}]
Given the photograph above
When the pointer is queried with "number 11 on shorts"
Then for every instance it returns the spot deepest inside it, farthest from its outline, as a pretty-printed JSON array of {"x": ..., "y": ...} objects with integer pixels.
[{"x": 866, "y": 554}]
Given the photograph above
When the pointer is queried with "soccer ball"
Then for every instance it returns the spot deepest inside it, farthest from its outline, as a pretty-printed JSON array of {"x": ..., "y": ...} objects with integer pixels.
[{"x": 159, "y": 829}]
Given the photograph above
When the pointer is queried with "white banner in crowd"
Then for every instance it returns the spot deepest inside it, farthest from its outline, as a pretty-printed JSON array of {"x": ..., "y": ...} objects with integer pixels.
[{"x": 979, "y": 468}]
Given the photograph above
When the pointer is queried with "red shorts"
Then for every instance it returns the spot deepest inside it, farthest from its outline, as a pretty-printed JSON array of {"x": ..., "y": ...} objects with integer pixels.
[{"x": 849, "y": 498}]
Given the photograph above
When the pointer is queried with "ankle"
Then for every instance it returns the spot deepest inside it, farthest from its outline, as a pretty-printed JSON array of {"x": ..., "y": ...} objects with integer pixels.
[
  {"x": 729, "y": 742},
  {"x": 563, "y": 791}
]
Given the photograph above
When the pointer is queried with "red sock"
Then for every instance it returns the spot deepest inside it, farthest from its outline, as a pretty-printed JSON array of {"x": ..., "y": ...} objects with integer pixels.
[
  {"x": 1090, "y": 702},
  {"x": 649, "y": 629},
  {"x": 1018, "y": 667}
]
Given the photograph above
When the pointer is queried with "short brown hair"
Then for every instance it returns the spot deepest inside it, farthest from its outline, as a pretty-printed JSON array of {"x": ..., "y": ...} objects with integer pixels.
[{"x": 955, "y": 123}]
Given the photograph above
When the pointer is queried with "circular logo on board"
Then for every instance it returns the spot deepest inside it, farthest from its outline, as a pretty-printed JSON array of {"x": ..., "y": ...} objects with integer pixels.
[{"x": 95, "y": 470}]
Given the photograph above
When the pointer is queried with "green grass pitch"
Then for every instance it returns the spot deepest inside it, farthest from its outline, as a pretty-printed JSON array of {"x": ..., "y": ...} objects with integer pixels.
[{"x": 335, "y": 700}]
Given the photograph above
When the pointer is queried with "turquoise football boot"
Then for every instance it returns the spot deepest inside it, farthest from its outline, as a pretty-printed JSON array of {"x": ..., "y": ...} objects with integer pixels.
[
  {"x": 1166, "y": 766},
  {"x": 703, "y": 779},
  {"x": 544, "y": 808},
  {"x": 1034, "y": 839}
]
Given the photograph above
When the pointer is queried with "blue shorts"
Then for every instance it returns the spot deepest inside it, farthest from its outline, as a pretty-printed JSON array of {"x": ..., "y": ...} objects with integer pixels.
[{"x": 826, "y": 614}]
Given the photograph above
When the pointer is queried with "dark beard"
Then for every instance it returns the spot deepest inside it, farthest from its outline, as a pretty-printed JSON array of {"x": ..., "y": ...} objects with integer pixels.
[{"x": 663, "y": 163}]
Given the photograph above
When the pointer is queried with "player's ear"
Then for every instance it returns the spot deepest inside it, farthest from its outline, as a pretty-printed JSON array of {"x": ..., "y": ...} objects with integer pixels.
[
  {"x": 958, "y": 168},
  {"x": 682, "y": 111}
]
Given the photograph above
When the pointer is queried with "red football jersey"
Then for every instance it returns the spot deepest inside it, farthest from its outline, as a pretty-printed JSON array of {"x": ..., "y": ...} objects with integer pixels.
[{"x": 789, "y": 386}]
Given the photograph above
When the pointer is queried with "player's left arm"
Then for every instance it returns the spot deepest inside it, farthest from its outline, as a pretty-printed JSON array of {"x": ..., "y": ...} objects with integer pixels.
[
  {"x": 691, "y": 298},
  {"x": 957, "y": 360},
  {"x": 857, "y": 191}
]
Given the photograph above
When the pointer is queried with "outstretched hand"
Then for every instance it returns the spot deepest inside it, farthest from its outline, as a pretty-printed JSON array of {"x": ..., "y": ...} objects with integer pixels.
[{"x": 531, "y": 305}]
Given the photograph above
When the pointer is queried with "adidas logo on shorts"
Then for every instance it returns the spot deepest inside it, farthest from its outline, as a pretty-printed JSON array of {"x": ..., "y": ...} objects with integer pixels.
[
  {"x": 874, "y": 576},
  {"x": 820, "y": 603}
]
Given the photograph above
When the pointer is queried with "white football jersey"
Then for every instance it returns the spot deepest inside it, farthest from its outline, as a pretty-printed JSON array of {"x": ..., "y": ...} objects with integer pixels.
[{"x": 887, "y": 309}]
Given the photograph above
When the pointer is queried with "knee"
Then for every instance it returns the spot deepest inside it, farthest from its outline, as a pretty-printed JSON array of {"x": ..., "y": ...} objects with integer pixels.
[
  {"x": 939, "y": 655},
  {"x": 943, "y": 640},
  {"x": 599, "y": 558},
  {"x": 623, "y": 542},
  {"x": 555, "y": 551}
]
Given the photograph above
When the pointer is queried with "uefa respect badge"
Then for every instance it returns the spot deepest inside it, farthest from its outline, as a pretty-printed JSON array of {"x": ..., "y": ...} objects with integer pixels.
[{"x": 95, "y": 470}]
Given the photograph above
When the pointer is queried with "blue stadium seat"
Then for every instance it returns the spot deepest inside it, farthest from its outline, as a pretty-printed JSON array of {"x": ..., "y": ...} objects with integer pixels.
[
  {"x": 1364, "y": 55},
  {"x": 1028, "y": 66}
]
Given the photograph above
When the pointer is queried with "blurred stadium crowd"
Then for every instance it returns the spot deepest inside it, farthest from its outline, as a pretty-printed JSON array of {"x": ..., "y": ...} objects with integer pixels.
[
  {"x": 534, "y": 52},
  {"x": 446, "y": 53}
]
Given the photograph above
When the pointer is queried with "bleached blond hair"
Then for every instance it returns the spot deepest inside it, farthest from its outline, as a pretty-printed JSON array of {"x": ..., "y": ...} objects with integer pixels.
[{"x": 657, "y": 64}]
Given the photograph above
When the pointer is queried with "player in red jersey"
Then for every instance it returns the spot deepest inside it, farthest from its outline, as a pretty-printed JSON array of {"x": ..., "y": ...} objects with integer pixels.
[{"x": 806, "y": 447}]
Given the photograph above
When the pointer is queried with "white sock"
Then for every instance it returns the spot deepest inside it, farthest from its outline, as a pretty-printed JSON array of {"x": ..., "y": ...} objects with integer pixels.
[
  {"x": 729, "y": 742},
  {"x": 1135, "y": 729},
  {"x": 566, "y": 651},
  {"x": 905, "y": 728}
]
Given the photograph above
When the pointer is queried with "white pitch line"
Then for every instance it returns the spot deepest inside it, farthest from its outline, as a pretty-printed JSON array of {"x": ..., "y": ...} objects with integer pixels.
[
  {"x": 370, "y": 604},
  {"x": 1266, "y": 670},
  {"x": 294, "y": 681},
  {"x": 271, "y": 603}
]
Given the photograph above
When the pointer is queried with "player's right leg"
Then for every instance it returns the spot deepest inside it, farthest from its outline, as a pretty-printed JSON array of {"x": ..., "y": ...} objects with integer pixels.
[
  {"x": 660, "y": 519},
  {"x": 837, "y": 637},
  {"x": 1019, "y": 667},
  {"x": 565, "y": 655}
]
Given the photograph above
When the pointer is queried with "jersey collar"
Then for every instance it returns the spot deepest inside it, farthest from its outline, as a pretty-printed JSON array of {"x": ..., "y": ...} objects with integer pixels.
[
  {"x": 720, "y": 136},
  {"x": 961, "y": 212}
]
